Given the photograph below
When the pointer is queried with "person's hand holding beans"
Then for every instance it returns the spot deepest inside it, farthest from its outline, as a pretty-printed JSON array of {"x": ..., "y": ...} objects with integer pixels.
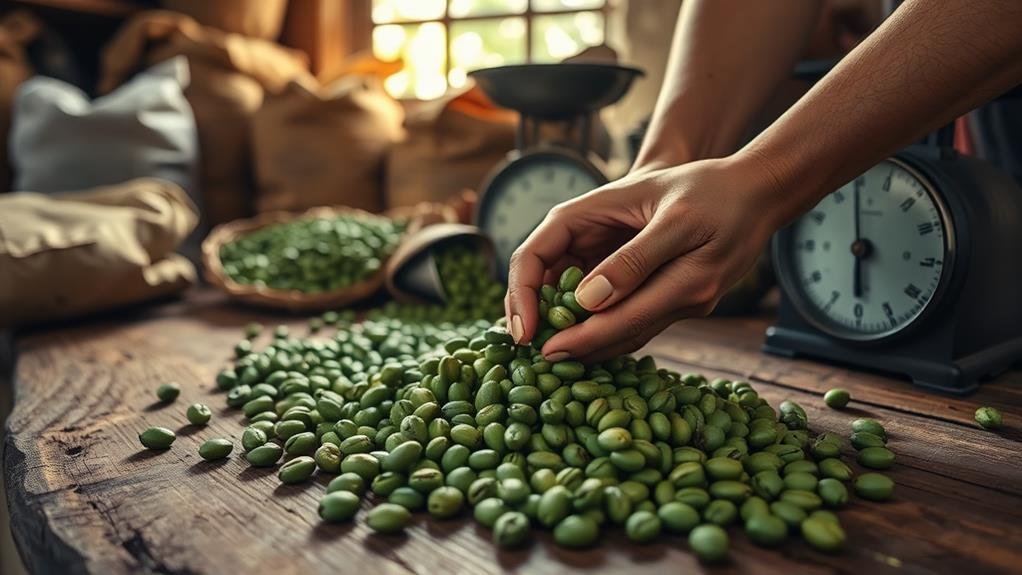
[{"x": 658, "y": 245}]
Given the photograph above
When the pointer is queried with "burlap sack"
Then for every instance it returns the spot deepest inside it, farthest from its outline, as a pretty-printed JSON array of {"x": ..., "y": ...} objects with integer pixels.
[
  {"x": 73, "y": 253},
  {"x": 229, "y": 76},
  {"x": 324, "y": 146},
  {"x": 452, "y": 144},
  {"x": 17, "y": 29},
  {"x": 253, "y": 18}
]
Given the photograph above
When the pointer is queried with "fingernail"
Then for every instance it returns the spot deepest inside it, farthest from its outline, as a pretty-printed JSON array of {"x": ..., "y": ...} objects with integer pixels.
[
  {"x": 593, "y": 292},
  {"x": 516, "y": 328},
  {"x": 556, "y": 356}
]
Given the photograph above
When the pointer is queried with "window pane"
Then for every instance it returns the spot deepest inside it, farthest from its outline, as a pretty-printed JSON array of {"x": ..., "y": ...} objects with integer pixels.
[
  {"x": 462, "y": 8},
  {"x": 386, "y": 11},
  {"x": 552, "y": 5},
  {"x": 423, "y": 50},
  {"x": 484, "y": 44},
  {"x": 560, "y": 36}
]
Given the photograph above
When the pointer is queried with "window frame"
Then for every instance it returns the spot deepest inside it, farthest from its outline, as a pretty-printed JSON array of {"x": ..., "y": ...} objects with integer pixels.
[{"x": 362, "y": 12}]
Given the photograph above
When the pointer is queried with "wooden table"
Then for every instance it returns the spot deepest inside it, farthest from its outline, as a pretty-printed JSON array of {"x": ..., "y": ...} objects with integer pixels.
[{"x": 85, "y": 498}]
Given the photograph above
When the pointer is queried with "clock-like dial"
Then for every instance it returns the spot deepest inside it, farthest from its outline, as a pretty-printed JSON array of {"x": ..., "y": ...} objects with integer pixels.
[
  {"x": 867, "y": 261},
  {"x": 522, "y": 192}
]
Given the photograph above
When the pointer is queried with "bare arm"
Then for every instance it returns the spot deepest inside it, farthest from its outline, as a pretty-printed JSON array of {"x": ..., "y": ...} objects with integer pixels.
[
  {"x": 727, "y": 58},
  {"x": 930, "y": 62}
]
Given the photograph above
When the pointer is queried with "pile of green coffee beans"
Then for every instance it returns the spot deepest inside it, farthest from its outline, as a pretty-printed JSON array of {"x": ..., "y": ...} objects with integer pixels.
[
  {"x": 451, "y": 418},
  {"x": 312, "y": 255},
  {"x": 558, "y": 308},
  {"x": 469, "y": 287}
]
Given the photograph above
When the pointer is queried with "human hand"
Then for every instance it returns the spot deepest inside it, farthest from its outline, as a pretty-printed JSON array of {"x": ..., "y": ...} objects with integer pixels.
[{"x": 661, "y": 245}]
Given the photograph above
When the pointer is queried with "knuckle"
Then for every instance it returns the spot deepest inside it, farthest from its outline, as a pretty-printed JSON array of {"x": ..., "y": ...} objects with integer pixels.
[
  {"x": 638, "y": 324},
  {"x": 632, "y": 261},
  {"x": 515, "y": 292},
  {"x": 517, "y": 258}
]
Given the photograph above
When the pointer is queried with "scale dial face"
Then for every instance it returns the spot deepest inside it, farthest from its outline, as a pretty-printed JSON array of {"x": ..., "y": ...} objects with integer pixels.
[
  {"x": 901, "y": 254},
  {"x": 523, "y": 191}
]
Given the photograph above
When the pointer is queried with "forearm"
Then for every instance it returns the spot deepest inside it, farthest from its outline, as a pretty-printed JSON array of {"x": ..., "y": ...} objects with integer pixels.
[
  {"x": 727, "y": 58},
  {"x": 929, "y": 63}
]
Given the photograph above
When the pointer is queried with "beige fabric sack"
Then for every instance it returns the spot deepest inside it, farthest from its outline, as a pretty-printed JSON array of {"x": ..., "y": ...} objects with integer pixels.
[
  {"x": 254, "y": 18},
  {"x": 17, "y": 30},
  {"x": 324, "y": 146},
  {"x": 78, "y": 252},
  {"x": 230, "y": 74},
  {"x": 452, "y": 144}
]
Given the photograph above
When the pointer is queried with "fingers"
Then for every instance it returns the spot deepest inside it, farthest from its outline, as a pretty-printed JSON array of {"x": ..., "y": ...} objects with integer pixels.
[
  {"x": 683, "y": 288},
  {"x": 624, "y": 271},
  {"x": 544, "y": 247}
]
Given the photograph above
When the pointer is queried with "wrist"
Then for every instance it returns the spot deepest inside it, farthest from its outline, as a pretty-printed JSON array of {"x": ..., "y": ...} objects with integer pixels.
[{"x": 781, "y": 195}]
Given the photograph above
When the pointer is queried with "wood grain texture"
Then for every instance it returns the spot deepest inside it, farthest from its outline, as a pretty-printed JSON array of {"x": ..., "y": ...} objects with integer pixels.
[{"x": 85, "y": 498}]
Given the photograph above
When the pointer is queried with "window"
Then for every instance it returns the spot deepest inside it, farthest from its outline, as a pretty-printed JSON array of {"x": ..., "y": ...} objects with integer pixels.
[{"x": 440, "y": 41}]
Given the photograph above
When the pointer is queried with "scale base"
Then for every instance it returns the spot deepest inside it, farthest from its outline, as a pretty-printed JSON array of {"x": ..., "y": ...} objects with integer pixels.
[{"x": 957, "y": 376}]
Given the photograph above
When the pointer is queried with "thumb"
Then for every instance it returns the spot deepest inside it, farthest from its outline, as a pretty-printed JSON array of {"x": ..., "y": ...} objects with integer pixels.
[{"x": 623, "y": 271}]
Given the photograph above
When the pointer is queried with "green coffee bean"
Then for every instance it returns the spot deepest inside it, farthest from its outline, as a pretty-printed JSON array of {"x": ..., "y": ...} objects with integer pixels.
[
  {"x": 876, "y": 457},
  {"x": 296, "y": 470},
  {"x": 157, "y": 438},
  {"x": 989, "y": 418},
  {"x": 168, "y": 392},
  {"x": 697, "y": 497},
  {"x": 790, "y": 513},
  {"x": 678, "y": 517},
  {"x": 363, "y": 464},
  {"x": 836, "y": 469},
  {"x": 301, "y": 444},
  {"x": 512, "y": 491},
  {"x": 832, "y": 492},
  {"x": 328, "y": 458},
  {"x": 198, "y": 414},
  {"x": 576, "y": 531},
  {"x": 511, "y": 529},
  {"x": 766, "y": 530},
  {"x": 753, "y": 506},
  {"x": 720, "y": 512},
  {"x": 869, "y": 426},
  {"x": 709, "y": 542},
  {"x": 823, "y": 534},
  {"x": 864, "y": 439},
  {"x": 570, "y": 279},
  {"x": 445, "y": 502},
  {"x": 403, "y": 457},
  {"x": 388, "y": 518},
  {"x": 734, "y": 491},
  {"x": 215, "y": 449},
  {"x": 347, "y": 482},
  {"x": 265, "y": 455},
  {"x": 874, "y": 486},
  {"x": 643, "y": 526},
  {"x": 837, "y": 398},
  {"x": 385, "y": 483},
  {"x": 807, "y": 500},
  {"x": 338, "y": 506},
  {"x": 799, "y": 480},
  {"x": 489, "y": 510}
]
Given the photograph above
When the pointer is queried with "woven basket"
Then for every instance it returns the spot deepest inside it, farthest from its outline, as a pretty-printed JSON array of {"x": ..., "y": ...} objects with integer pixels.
[{"x": 294, "y": 300}]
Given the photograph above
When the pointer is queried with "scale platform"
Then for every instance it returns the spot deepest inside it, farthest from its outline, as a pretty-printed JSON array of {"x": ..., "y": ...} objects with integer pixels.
[{"x": 556, "y": 91}]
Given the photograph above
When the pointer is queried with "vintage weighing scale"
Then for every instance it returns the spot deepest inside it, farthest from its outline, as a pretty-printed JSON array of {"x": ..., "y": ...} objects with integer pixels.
[
  {"x": 911, "y": 268},
  {"x": 537, "y": 176}
]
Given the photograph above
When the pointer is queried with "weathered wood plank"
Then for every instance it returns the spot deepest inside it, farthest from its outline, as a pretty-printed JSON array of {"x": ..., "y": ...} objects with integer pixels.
[
  {"x": 86, "y": 499},
  {"x": 733, "y": 346}
]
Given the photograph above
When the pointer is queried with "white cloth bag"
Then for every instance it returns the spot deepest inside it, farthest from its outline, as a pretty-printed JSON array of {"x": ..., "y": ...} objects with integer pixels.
[{"x": 61, "y": 141}]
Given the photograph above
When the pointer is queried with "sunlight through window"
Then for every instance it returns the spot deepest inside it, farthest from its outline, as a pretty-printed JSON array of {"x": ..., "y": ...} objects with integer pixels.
[{"x": 441, "y": 41}]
